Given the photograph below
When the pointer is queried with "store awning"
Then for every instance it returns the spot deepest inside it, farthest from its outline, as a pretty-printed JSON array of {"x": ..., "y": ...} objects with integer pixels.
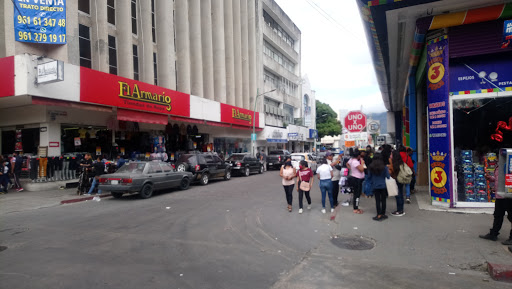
[
  {"x": 56, "y": 102},
  {"x": 139, "y": 116}
]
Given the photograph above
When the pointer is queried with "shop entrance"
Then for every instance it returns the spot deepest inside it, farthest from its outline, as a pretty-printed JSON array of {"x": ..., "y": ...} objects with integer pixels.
[{"x": 29, "y": 141}]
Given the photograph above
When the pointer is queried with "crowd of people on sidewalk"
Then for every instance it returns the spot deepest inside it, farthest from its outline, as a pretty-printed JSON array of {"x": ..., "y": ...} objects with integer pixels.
[{"x": 379, "y": 174}]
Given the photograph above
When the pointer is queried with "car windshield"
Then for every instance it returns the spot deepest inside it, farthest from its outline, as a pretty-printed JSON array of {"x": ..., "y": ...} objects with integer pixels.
[
  {"x": 236, "y": 158},
  {"x": 189, "y": 159},
  {"x": 276, "y": 152},
  {"x": 298, "y": 158},
  {"x": 132, "y": 168}
]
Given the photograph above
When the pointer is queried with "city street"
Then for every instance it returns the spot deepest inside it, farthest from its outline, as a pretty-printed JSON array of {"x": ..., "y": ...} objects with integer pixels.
[{"x": 238, "y": 234}]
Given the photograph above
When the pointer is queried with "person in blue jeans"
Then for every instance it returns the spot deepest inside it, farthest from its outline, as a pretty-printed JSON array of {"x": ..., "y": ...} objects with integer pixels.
[
  {"x": 98, "y": 169},
  {"x": 325, "y": 174},
  {"x": 396, "y": 163}
]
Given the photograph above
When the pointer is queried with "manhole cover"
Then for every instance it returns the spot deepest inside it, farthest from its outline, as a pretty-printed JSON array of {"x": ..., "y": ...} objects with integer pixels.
[
  {"x": 3, "y": 248},
  {"x": 353, "y": 242}
]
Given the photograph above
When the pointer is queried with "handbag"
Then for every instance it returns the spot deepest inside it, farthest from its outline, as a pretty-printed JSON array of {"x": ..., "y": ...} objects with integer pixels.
[
  {"x": 405, "y": 174},
  {"x": 391, "y": 187},
  {"x": 304, "y": 186}
]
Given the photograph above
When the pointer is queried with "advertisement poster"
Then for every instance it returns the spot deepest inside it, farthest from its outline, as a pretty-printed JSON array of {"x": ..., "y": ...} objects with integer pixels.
[
  {"x": 98, "y": 151},
  {"x": 439, "y": 119},
  {"x": 489, "y": 73},
  {"x": 78, "y": 142},
  {"x": 507, "y": 34},
  {"x": 40, "y": 21}
]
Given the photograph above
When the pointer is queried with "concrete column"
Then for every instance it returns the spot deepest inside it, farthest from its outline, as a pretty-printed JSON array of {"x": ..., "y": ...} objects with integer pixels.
[
  {"x": 182, "y": 46},
  {"x": 230, "y": 52},
  {"x": 245, "y": 54},
  {"x": 219, "y": 51},
  {"x": 124, "y": 39},
  {"x": 165, "y": 44},
  {"x": 207, "y": 44},
  {"x": 237, "y": 41},
  {"x": 52, "y": 134},
  {"x": 99, "y": 35},
  {"x": 196, "y": 56},
  {"x": 253, "y": 71},
  {"x": 146, "y": 61}
]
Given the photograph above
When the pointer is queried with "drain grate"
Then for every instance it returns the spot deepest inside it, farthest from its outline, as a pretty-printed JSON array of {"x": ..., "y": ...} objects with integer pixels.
[
  {"x": 353, "y": 242},
  {"x": 3, "y": 248}
]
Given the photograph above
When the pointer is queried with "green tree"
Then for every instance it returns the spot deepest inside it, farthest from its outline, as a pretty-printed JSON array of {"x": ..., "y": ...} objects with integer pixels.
[{"x": 326, "y": 122}]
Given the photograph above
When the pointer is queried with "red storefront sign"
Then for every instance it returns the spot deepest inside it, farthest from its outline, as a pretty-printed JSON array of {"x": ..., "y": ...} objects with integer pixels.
[
  {"x": 508, "y": 181},
  {"x": 236, "y": 115},
  {"x": 7, "y": 76},
  {"x": 355, "y": 121},
  {"x": 108, "y": 89}
]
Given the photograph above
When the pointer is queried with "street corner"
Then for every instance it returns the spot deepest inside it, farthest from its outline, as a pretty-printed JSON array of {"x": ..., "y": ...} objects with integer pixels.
[{"x": 500, "y": 272}]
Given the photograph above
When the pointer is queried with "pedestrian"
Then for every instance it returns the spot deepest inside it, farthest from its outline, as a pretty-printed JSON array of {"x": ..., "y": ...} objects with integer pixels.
[
  {"x": 325, "y": 174},
  {"x": 413, "y": 182},
  {"x": 120, "y": 161},
  {"x": 287, "y": 174},
  {"x": 16, "y": 165},
  {"x": 98, "y": 169},
  {"x": 305, "y": 182},
  {"x": 83, "y": 180},
  {"x": 378, "y": 172},
  {"x": 263, "y": 160},
  {"x": 501, "y": 206},
  {"x": 408, "y": 161},
  {"x": 336, "y": 174},
  {"x": 4, "y": 175},
  {"x": 356, "y": 166},
  {"x": 395, "y": 167},
  {"x": 368, "y": 156}
]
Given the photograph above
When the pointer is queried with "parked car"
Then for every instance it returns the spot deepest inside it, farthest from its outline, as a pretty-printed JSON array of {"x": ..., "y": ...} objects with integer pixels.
[
  {"x": 244, "y": 164},
  {"x": 144, "y": 178},
  {"x": 204, "y": 166},
  {"x": 276, "y": 158},
  {"x": 297, "y": 157}
]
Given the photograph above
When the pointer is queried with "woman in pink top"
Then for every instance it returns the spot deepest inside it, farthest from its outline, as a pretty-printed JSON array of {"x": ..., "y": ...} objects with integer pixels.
[
  {"x": 356, "y": 178},
  {"x": 288, "y": 173}
]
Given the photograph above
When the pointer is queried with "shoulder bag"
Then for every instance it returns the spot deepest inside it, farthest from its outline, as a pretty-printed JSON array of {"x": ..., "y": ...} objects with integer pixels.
[
  {"x": 304, "y": 186},
  {"x": 405, "y": 174}
]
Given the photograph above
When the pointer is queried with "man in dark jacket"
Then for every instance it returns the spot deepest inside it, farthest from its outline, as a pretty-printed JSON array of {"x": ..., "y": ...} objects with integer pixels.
[
  {"x": 98, "y": 169},
  {"x": 16, "y": 165}
]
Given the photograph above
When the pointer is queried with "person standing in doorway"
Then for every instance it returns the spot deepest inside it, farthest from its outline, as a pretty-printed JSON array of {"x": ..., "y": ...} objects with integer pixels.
[
  {"x": 288, "y": 173},
  {"x": 16, "y": 165},
  {"x": 356, "y": 178},
  {"x": 325, "y": 174},
  {"x": 377, "y": 174},
  {"x": 304, "y": 175}
]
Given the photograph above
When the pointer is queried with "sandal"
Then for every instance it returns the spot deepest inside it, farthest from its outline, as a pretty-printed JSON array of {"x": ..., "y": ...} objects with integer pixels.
[{"x": 358, "y": 211}]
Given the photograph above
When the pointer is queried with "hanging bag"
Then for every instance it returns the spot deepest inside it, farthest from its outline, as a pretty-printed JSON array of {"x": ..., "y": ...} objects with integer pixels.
[
  {"x": 405, "y": 174},
  {"x": 304, "y": 186},
  {"x": 391, "y": 187}
]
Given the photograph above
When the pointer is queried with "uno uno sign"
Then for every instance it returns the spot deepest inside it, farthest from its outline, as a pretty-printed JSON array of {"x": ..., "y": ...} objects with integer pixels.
[{"x": 355, "y": 121}]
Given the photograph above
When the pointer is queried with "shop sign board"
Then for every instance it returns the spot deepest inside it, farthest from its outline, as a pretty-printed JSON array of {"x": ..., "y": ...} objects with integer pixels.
[
  {"x": 108, "y": 89},
  {"x": 350, "y": 143},
  {"x": 40, "y": 21},
  {"x": 313, "y": 133},
  {"x": 236, "y": 115},
  {"x": 355, "y": 121},
  {"x": 438, "y": 119},
  {"x": 356, "y": 136},
  {"x": 488, "y": 73},
  {"x": 50, "y": 72},
  {"x": 507, "y": 33}
]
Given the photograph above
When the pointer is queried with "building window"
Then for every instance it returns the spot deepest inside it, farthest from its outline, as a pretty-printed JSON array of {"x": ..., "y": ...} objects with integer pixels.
[
  {"x": 111, "y": 11},
  {"x": 134, "y": 17},
  {"x": 84, "y": 43},
  {"x": 278, "y": 57},
  {"x": 155, "y": 70},
  {"x": 84, "y": 6},
  {"x": 135, "y": 62},
  {"x": 153, "y": 20},
  {"x": 281, "y": 83},
  {"x": 278, "y": 29},
  {"x": 112, "y": 55}
]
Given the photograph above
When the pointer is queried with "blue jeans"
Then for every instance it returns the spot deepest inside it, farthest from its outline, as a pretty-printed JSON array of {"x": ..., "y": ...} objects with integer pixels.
[
  {"x": 408, "y": 190},
  {"x": 326, "y": 187},
  {"x": 95, "y": 182},
  {"x": 400, "y": 197}
]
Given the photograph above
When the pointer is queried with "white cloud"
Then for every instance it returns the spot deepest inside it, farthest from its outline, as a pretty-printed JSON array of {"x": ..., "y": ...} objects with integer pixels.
[{"x": 335, "y": 54}]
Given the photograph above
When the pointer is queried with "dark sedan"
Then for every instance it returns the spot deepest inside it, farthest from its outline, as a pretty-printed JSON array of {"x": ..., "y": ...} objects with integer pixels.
[
  {"x": 244, "y": 164},
  {"x": 144, "y": 178}
]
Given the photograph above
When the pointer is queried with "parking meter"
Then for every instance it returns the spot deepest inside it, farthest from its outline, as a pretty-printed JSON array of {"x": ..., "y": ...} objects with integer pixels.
[{"x": 505, "y": 173}]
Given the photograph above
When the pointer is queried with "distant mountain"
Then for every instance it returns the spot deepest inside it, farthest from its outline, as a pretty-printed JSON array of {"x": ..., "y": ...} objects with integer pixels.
[{"x": 383, "y": 118}]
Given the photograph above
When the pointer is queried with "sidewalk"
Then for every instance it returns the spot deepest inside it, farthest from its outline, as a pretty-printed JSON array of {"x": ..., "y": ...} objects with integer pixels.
[
  {"x": 25, "y": 201},
  {"x": 425, "y": 203}
]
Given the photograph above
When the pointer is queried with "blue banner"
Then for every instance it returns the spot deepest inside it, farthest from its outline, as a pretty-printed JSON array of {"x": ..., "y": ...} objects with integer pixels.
[
  {"x": 481, "y": 75},
  {"x": 40, "y": 21},
  {"x": 439, "y": 120},
  {"x": 507, "y": 33}
]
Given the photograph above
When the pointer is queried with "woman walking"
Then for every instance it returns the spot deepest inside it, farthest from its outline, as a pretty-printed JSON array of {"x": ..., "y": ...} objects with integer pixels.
[
  {"x": 304, "y": 184},
  {"x": 377, "y": 174},
  {"x": 325, "y": 174},
  {"x": 288, "y": 173},
  {"x": 356, "y": 166},
  {"x": 396, "y": 165}
]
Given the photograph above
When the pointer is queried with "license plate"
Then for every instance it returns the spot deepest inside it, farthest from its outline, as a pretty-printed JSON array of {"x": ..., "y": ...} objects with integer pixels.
[
  {"x": 114, "y": 182},
  {"x": 270, "y": 164}
]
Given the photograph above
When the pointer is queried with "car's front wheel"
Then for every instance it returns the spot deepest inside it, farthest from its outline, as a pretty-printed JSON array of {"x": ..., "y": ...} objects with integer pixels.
[
  {"x": 185, "y": 184},
  {"x": 247, "y": 172},
  {"x": 204, "y": 179},
  {"x": 146, "y": 192},
  {"x": 117, "y": 195},
  {"x": 227, "y": 175}
]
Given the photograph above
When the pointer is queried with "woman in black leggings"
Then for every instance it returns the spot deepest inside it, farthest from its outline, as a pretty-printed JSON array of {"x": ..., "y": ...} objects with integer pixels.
[{"x": 377, "y": 174}]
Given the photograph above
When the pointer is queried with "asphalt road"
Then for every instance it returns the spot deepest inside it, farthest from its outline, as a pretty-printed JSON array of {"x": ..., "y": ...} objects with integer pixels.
[{"x": 238, "y": 234}]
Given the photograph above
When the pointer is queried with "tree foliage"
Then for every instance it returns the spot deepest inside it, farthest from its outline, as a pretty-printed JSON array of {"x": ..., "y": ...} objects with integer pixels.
[{"x": 326, "y": 121}]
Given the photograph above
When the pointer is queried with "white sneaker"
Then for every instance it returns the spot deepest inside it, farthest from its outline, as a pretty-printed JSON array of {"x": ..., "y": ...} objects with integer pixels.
[
  {"x": 332, "y": 210},
  {"x": 300, "y": 211},
  {"x": 345, "y": 204},
  {"x": 309, "y": 207},
  {"x": 323, "y": 210}
]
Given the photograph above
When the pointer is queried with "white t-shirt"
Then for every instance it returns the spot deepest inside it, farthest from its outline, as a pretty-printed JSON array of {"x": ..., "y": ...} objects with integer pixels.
[{"x": 324, "y": 171}]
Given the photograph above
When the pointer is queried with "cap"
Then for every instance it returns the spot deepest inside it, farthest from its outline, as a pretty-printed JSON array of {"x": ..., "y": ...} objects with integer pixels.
[{"x": 327, "y": 154}]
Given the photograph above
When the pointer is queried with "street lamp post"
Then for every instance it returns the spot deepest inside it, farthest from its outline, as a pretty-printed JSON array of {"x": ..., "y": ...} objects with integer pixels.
[{"x": 253, "y": 136}]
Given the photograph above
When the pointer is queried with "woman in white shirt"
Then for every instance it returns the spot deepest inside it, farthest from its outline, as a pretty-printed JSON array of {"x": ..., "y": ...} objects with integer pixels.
[
  {"x": 288, "y": 173},
  {"x": 324, "y": 173}
]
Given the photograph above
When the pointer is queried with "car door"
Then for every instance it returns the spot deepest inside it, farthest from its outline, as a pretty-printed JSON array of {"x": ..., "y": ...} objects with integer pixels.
[
  {"x": 155, "y": 175},
  {"x": 212, "y": 166},
  {"x": 255, "y": 164},
  {"x": 171, "y": 178},
  {"x": 220, "y": 166}
]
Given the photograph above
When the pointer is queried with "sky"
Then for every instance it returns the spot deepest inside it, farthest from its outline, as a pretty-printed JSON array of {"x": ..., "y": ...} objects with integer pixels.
[{"x": 335, "y": 54}]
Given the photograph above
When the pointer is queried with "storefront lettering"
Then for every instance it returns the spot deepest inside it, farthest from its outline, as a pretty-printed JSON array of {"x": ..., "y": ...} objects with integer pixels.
[
  {"x": 236, "y": 114},
  {"x": 136, "y": 94}
]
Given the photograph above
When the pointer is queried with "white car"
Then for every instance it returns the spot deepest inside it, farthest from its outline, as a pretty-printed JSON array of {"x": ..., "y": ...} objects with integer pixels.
[{"x": 297, "y": 157}]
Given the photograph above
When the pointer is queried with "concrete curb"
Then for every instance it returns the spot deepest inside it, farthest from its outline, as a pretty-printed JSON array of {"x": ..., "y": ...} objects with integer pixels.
[
  {"x": 82, "y": 199},
  {"x": 499, "y": 272}
]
